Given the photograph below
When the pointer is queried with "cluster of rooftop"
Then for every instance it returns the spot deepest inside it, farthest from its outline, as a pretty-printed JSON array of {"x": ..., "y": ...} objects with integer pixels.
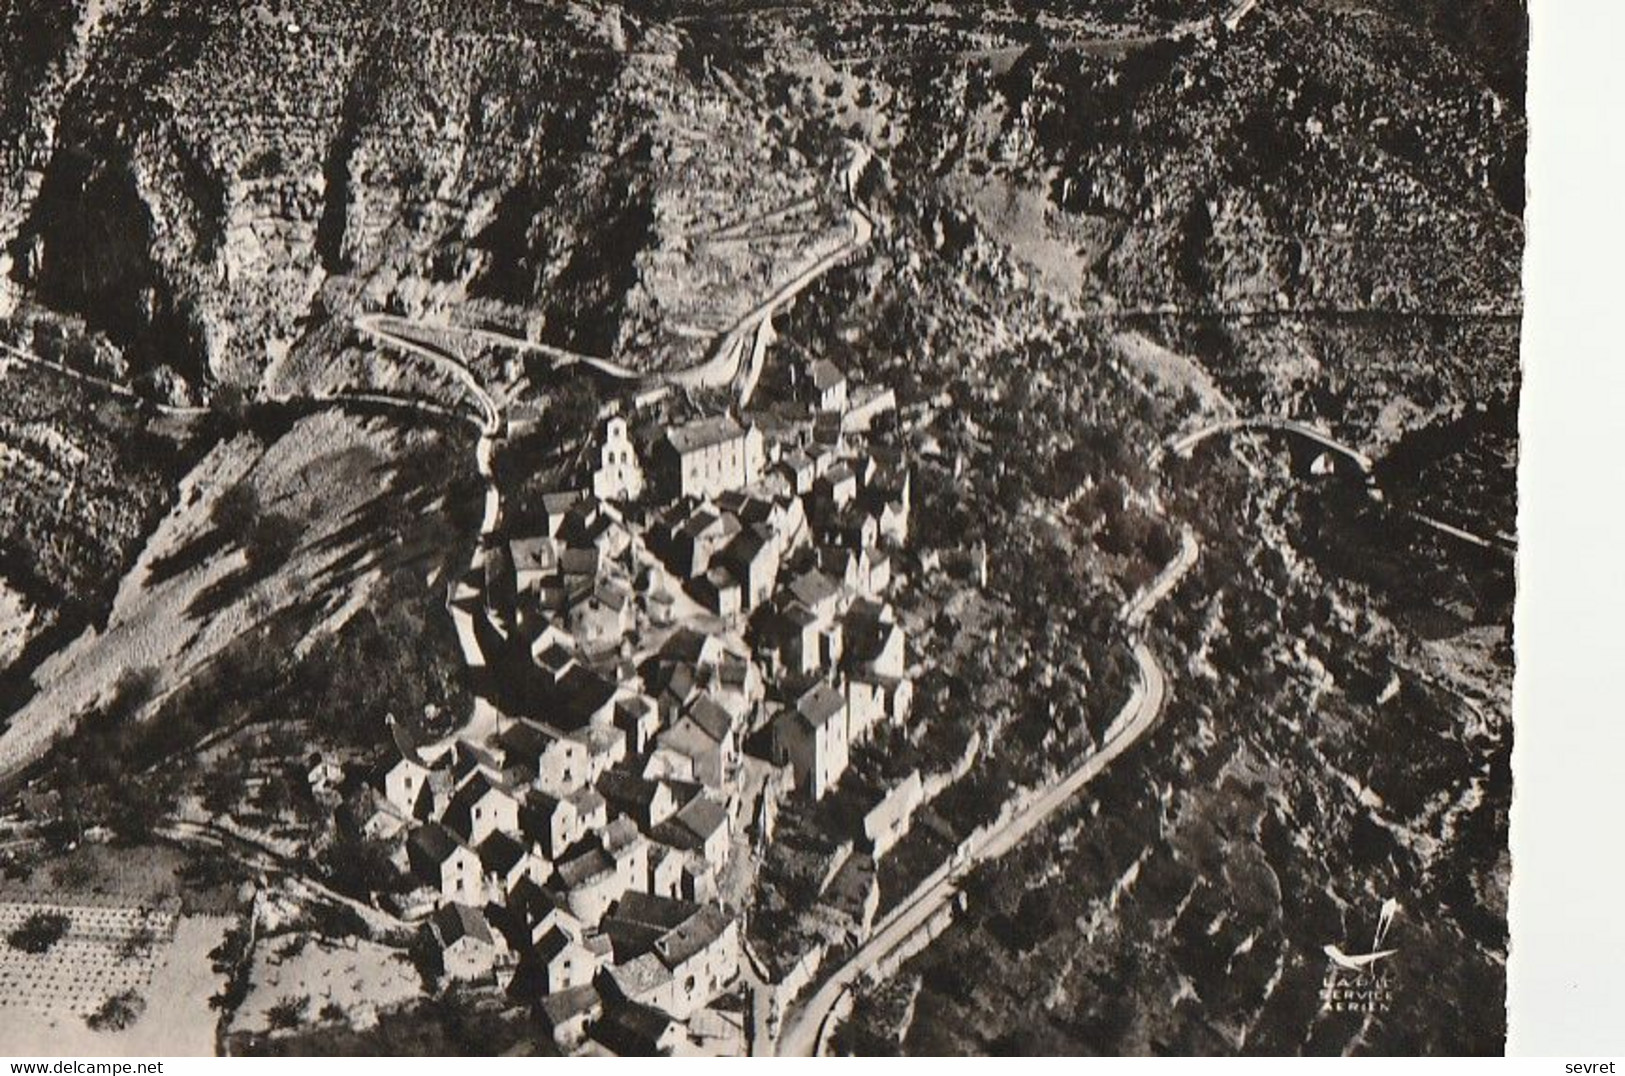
[{"x": 674, "y": 649}]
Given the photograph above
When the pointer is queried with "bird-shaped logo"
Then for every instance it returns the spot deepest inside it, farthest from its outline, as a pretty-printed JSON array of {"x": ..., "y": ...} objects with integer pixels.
[{"x": 1362, "y": 962}]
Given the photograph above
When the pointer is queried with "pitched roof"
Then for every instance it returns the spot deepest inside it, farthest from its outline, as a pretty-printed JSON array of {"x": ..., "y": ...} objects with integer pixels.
[
  {"x": 745, "y": 548},
  {"x": 653, "y": 910},
  {"x": 634, "y": 707},
  {"x": 591, "y": 864},
  {"x": 694, "y": 935},
  {"x": 585, "y": 692},
  {"x": 619, "y": 834},
  {"x": 533, "y": 903},
  {"x": 819, "y": 704},
  {"x": 500, "y": 853},
  {"x": 556, "y": 658},
  {"x": 586, "y": 801},
  {"x": 575, "y": 561},
  {"x": 566, "y": 1005},
  {"x": 826, "y": 374},
  {"x": 529, "y": 739},
  {"x": 533, "y": 554},
  {"x": 432, "y": 843},
  {"x": 798, "y": 616},
  {"x": 704, "y": 432},
  {"x": 813, "y": 587},
  {"x": 454, "y": 921},
  {"x": 703, "y": 816},
  {"x": 554, "y": 942},
  {"x": 841, "y": 472},
  {"x": 627, "y": 791},
  {"x": 628, "y": 1028},
  {"x": 470, "y": 757},
  {"x": 685, "y": 644},
  {"x": 720, "y": 577},
  {"x": 712, "y": 719}
]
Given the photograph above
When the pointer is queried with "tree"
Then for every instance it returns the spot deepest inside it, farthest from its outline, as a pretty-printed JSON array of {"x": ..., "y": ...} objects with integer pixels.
[
  {"x": 271, "y": 541},
  {"x": 236, "y": 509},
  {"x": 287, "y": 1013},
  {"x": 572, "y": 410},
  {"x": 229, "y": 403},
  {"x": 138, "y": 944},
  {"x": 362, "y": 868},
  {"x": 48, "y": 340},
  {"x": 117, "y": 1012},
  {"x": 39, "y": 932}
]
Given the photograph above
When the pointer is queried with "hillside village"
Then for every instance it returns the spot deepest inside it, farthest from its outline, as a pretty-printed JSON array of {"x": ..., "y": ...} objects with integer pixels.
[
  {"x": 697, "y": 632},
  {"x": 828, "y": 365}
]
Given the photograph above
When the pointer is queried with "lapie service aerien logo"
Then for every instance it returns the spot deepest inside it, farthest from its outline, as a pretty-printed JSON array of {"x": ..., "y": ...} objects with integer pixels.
[{"x": 1361, "y": 982}]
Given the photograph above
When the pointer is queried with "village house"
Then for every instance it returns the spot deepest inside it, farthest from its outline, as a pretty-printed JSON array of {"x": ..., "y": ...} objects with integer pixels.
[
  {"x": 591, "y": 809},
  {"x": 753, "y": 560},
  {"x": 798, "y": 471},
  {"x": 826, "y": 386},
  {"x": 481, "y": 806},
  {"x": 568, "y": 1013},
  {"x": 702, "y": 826},
  {"x": 590, "y": 882},
  {"x": 581, "y": 697},
  {"x": 505, "y": 862},
  {"x": 704, "y": 737},
  {"x": 675, "y": 684},
  {"x": 818, "y": 592},
  {"x": 850, "y": 526},
  {"x": 665, "y": 871},
  {"x": 877, "y": 687},
  {"x": 646, "y": 802},
  {"x": 469, "y": 949},
  {"x": 838, "y": 487},
  {"x": 532, "y": 910},
  {"x": 671, "y": 954},
  {"x": 534, "y": 560},
  {"x": 875, "y": 700},
  {"x": 737, "y": 686},
  {"x": 565, "y": 961},
  {"x": 639, "y": 718},
  {"x": 864, "y": 570},
  {"x": 629, "y": 848},
  {"x": 696, "y": 649},
  {"x": 559, "y": 761},
  {"x": 603, "y": 618},
  {"x": 551, "y": 823},
  {"x": 556, "y": 508},
  {"x": 877, "y": 816},
  {"x": 440, "y": 860},
  {"x": 865, "y": 404},
  {"x": 709, "y": 456},
  {"x": 594, "y": 527},
  {"x": 695, "y": 539},
  {"x": 605, "y": 746},
  {"x": 720, "y": 592},
  {"x": 323, "y": 776},
  {"x": 554, "y": 655},
  {"x": 410, "y": 784},
  {"x": 627, "y": 1029},
  {"x": 812, "y": 736}
]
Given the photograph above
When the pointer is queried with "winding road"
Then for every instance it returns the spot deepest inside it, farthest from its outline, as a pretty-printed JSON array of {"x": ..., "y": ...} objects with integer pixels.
[
  {"x": 724, "y": 365},
  {"x": 807, "y": 1025}
]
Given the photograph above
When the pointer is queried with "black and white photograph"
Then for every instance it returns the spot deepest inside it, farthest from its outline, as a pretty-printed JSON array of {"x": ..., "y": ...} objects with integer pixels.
[{"x": 738, "y": 528}]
